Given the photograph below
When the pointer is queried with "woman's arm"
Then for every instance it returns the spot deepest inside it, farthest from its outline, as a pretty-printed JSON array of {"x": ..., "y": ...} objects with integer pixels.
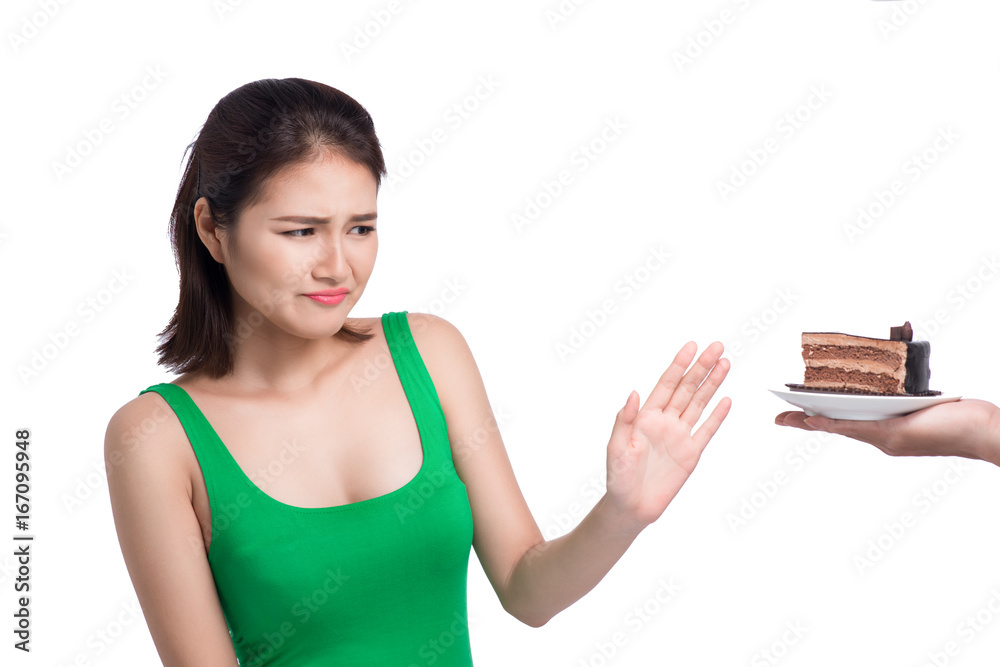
[
  {"x": 650, "y": 455},
  {"x": 969, "y": 428},
  {"x": 161, "y": 539}
]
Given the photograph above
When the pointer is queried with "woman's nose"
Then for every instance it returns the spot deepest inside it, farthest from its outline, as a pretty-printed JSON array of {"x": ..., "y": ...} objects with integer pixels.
[{"x": 332, "y": 261}]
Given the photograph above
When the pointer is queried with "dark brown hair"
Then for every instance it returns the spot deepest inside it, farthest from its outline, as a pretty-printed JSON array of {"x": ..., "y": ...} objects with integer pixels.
[{"x": 251, "y": 134}]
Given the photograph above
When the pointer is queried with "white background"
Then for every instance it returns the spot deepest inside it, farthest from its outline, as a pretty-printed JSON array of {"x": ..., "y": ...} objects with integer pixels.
[{"x": 755, "y": 268}]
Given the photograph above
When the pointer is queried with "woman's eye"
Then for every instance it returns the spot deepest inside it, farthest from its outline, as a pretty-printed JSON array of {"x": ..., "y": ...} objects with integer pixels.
[{"x": 309, "y": 231}]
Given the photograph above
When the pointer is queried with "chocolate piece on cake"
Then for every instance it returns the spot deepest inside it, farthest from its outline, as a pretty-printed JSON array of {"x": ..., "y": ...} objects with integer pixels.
[
  {"x": 898, "y": 365},
  {"x": 904, "y": 332}
]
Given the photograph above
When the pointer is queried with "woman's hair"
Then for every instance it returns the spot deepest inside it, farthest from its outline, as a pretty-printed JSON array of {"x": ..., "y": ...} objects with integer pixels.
[{"x": 251, "y": 134}]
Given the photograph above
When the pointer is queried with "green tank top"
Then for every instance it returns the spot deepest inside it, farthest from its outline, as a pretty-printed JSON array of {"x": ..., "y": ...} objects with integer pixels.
[{"x": 378, "y": 582}]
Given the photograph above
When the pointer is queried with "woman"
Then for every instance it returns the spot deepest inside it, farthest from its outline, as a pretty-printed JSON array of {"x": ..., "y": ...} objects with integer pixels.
[{"x": 289, "y": 506}]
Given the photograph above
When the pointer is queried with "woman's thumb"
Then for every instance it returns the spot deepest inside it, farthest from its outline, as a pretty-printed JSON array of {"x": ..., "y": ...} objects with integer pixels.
[{"x": 627, "y": 414}]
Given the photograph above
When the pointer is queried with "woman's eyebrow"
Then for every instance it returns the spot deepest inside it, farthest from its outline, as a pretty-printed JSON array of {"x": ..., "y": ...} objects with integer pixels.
[{"x": 309, "y": 220}]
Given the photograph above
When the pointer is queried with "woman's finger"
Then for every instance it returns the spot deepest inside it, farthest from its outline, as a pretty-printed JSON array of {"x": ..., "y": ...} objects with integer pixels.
[
  {"x": 665, "y": 386},
  {"x": 704, "y": 393},
  {"x": 687, "y": 387},
  {"x": 712, "y": 424}
]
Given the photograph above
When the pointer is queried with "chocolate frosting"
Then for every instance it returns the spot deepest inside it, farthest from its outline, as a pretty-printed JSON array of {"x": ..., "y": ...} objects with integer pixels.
[{"x": 918, "y": 370}]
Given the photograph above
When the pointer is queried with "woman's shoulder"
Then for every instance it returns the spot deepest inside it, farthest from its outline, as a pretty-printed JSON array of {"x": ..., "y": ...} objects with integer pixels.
[
  {"x": 144, "y": 428},
  {"x": 142, "y": 408},
  {"x": 433, "y": 332},
  {"x": 444, "y": 350},
  {"x": 427, "y": 329}
]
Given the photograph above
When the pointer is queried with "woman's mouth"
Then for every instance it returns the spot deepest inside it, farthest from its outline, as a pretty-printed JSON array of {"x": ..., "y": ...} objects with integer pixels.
[{"x": 329, "y": 297}]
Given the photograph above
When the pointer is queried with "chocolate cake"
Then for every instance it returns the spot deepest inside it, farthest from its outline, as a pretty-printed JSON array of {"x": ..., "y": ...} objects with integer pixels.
[{"x": 897, "y": 366}]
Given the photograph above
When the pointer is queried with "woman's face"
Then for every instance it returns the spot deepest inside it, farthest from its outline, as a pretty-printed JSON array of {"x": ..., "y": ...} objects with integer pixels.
[{"x": 313, "y": 231}]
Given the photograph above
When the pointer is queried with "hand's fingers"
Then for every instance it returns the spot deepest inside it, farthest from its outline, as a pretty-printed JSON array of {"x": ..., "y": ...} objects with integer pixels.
[
  {"x": 704, "y": 394},
  {"x": 712, "y": 424},
  {"x": 693, "y": 379},
  {"x": 665, "y": 386},
  {"x": 872, "y": 432},
  {"x": 796, "y": 419}
]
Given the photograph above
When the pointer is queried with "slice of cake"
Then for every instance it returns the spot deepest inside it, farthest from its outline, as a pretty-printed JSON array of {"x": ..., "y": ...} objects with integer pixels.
[{"x": 837, "y": 361}]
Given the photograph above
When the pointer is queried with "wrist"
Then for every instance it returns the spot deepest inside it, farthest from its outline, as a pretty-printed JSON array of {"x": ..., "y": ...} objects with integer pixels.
[
  {"x": 616, "y": 520},
  {"x": 990, "y": 443}
]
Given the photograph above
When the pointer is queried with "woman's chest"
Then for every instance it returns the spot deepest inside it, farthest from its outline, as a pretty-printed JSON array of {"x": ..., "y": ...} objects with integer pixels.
[{"x": 361, "y": 445}]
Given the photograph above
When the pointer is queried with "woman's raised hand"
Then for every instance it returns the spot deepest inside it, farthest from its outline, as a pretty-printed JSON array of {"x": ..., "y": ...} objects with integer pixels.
[{"x": 652, "y": 450}]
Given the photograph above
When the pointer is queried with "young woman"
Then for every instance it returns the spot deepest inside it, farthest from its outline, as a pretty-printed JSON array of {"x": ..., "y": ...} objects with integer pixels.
[{"x": 308, "y": 489}]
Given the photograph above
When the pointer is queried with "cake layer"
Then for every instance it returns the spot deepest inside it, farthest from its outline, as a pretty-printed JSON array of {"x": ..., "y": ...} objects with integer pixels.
[
  {"x": 835, "y": 378},
  {"x": 856, "y": 366},
  {"x": 845, "y": 340},
  {"x": 890, "y": 358}
]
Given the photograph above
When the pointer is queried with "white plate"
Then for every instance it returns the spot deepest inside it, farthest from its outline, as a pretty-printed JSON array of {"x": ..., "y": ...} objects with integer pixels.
[{"x": 858, "y": 406}]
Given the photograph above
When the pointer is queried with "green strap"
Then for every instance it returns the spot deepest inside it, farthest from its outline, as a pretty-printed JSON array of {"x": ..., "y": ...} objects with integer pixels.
[
  {"x": 419, "y": 387},
  {"x": 213, "y": 457}
]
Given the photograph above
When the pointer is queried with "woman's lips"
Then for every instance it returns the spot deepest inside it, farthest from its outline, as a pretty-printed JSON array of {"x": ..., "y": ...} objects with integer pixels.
[{"x": 329, "y": 299}]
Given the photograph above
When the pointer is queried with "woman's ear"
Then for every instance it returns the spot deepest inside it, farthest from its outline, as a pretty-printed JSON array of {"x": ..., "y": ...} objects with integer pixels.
[{"x": 209, "y": 232}]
